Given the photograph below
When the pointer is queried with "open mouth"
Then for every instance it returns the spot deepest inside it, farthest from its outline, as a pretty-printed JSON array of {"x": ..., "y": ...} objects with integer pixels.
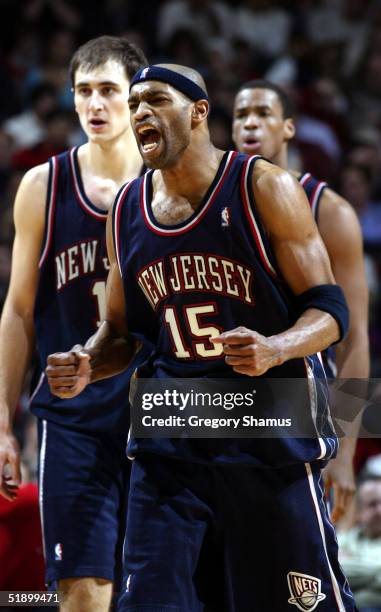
[
  {"x": 251, "y": 142},
  {"x": 149, "y": 138},
  {"x": 251, "y": 145},
  {"x": 97, "y": 123}
]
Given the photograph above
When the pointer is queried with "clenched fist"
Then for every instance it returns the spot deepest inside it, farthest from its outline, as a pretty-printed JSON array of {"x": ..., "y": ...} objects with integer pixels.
[
  {"x": 68, "y": 373},
  {"x": 248, "y": 352}
]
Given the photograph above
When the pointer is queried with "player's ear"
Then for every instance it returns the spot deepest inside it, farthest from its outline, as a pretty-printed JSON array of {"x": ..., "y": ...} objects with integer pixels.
[
  {"x": 200, "y": 111},
  {"x": 289, "y": 128}
]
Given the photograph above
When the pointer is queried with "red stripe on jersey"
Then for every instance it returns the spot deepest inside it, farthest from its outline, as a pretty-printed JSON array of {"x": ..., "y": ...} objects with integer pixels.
[
  {"x": 118, "y": 208},
  {"x": 50, "y": 214},
  {"x": 251, "y": 218}
]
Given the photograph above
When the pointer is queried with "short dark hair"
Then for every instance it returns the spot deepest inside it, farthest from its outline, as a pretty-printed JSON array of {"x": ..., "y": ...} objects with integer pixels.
[
  {"x": 98, "y": 51},
  {"x": 288, "y": 108}
]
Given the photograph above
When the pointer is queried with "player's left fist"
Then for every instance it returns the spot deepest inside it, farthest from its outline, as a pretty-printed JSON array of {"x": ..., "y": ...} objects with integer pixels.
[{"x": 248, "y": 352}]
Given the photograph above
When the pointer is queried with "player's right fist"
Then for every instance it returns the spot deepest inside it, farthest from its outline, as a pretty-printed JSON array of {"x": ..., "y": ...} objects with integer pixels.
[{"x": 68, "y": 373}]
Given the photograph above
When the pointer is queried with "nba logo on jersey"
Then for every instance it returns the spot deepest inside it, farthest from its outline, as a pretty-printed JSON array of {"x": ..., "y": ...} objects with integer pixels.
[
  {"x": 225, "y": 217},
  {"x": 144, "y": 73},
  {"x": 305, "y": 591},
  {"x": 58, "y": 552}
]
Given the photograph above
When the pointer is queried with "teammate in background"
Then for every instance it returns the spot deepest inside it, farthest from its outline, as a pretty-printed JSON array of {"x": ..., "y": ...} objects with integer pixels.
[
  {"x": 263, "y": 124},
  {"x": 204, "y": 216},
  {"x": 56, "y": 299}
]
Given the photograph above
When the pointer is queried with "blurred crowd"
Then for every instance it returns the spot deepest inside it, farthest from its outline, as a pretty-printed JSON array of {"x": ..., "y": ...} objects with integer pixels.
[{"x": 325, "y": 53}]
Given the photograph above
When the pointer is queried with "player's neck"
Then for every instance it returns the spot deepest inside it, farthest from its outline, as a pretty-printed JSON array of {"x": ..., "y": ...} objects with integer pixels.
[
  {"x": 115, "y": 160},
  {"x": 192, "y": 175},
  {"x": 281, "y": 158}
]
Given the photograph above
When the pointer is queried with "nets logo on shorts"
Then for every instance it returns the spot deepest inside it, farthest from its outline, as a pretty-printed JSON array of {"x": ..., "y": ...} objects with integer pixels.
[
  {"x": 305, "y": 591},
  {"x": 58, "y": 552}
]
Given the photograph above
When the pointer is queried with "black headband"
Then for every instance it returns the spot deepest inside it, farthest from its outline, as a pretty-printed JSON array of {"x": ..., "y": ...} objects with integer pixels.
[{"x": 178, "y": 81}]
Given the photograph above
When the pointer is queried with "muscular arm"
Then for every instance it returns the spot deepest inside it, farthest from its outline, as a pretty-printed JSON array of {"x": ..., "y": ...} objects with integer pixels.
[
  {"x": 301, "y": 257},
  {"x": 303, "y": 262},
  {"x": 107, "y": 352},
  {"x": 341, "y": 232},
  {"x": 16, "y": 328}
]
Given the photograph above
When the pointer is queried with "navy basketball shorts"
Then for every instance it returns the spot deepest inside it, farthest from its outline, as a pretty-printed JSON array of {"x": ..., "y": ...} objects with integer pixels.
[
  {"x": 229, "y": 539},
  {"x": 83, "y": 489}
]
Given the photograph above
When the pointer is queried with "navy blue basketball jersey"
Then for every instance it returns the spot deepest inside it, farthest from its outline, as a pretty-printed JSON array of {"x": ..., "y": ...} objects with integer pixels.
[
  {"x": 314, "y": 190},
  {"x": 70, "y": 299},
  {"x": 186, "y": 283}
]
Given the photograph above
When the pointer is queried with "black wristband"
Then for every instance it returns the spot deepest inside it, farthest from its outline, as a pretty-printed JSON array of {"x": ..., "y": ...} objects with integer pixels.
[{"x": 329, "y": 298}]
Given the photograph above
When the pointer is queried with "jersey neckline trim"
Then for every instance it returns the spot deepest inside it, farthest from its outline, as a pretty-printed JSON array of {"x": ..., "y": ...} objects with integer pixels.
[
  {"x": 195, "y": 218},
  {"x": 84, "y": 201}
]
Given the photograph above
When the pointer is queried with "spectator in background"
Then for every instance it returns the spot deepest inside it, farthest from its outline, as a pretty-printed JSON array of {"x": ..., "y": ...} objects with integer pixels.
[
  {"x": 360, "y": 547},
  {"x": 57, "y": 52},
  {"x": 208, "y": 19},
  {"x": 356, "y": 187},
  {"x": 6, "y": 205},
  {"x": 220, "y": 129},
  {"x": 60, "y": 125},
  {"x": 5, "y": 159},
  {"x": 21, "y": 553},
  {"x": 185, "y": 46},
  {"x": 28, "y": 128},
  {"x": 365, "y": 151},
  {"x": 49, "y": 14},
  {"x": 256, "y": 22},
  {"x": 366, "y": 82},
  {"x": 21, "y": 548}
]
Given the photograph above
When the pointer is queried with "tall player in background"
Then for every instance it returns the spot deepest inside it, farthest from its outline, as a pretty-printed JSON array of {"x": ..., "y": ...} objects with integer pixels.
[
  {"x": 224, "y": 235},
  {"x": 263, "y": 124},
  {"x": 57, "y": 298}
]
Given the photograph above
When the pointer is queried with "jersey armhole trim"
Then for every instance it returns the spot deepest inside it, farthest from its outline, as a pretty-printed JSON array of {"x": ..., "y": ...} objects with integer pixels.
[
  {"x": 51, "y": 197},
  {"x": 245, "y": 177},
  {"x": 116, "y": 213},
  {"x": 315, "y": 198}
]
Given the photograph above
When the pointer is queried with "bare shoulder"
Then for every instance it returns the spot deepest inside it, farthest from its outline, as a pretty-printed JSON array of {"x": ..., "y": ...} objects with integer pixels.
[
  {"x": 280, "y": 199},
  {"x": 36, "y": 178},
  {"x": 335, "y": 206},
  {"x": 269, "y": 176},
  {"x": 30, "y": 199},
  {"x": 278, "y": 187}
]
